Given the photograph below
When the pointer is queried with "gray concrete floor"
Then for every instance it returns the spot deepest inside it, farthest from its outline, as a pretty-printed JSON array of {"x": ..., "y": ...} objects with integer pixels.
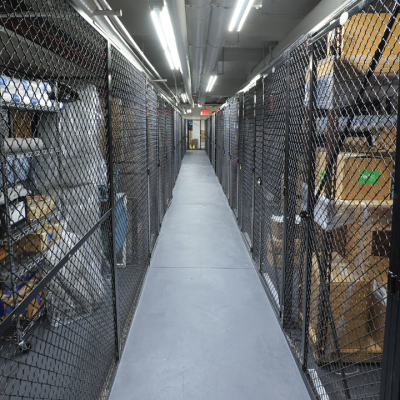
[{"x": 204, "y": 328}]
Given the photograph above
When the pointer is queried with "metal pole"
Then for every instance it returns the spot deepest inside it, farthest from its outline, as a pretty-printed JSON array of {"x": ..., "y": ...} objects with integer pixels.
[
  {"x": 253, "y": 192},
  {"x": 148, "y": 171},
  {"x": 286, "y": 301},
  {"x": 110, "y": 167},
  {"x": 390, "y": 376},
  {"x": 310, "y": 220},
  {"x": 261, "y": 181}
]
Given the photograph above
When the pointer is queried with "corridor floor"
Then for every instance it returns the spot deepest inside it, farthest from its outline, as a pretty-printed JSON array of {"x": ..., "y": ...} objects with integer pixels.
[{"x": 204, "y": 328}]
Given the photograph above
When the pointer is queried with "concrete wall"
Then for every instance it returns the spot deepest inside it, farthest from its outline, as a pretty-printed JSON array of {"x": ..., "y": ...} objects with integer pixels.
[{"x": 196, "y": 130}]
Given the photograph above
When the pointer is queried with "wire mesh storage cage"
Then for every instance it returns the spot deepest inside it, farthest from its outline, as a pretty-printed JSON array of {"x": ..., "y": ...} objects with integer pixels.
[
  {"x": 81, "y": 199},
  {"x": 317, "y": 198}
]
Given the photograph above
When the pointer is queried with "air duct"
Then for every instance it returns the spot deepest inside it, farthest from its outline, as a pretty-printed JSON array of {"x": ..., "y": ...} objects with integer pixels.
[
  {"x": 198, "y": 19},
  {"x": 216, "y": 38},
  {"x": 178, "y": 18}
]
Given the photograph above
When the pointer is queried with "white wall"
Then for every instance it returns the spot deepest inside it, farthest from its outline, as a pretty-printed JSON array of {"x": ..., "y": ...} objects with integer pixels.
[{"x": 196, "y": 130}]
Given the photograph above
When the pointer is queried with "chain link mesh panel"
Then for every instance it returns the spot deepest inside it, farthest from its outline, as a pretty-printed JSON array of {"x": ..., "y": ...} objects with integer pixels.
[
  {"x": 162, "y": 155},
  {"x": 152, "y": 163},
  {"x": 74, "y": 243},
  {"x": 169, "y": 153},
  {"x": 219, "y": 134},
  {"x": 131, "y": 180},
  {"x": 272, "y": 224},
  {"x": 258, "y": 172},
  {"x": 234, "y": 154},
  {"x": 246, "y": 160},
  {"x": 297, "y": 175},
  {"x": 327, "y": 196},
  {"x": 226, "y": 151},
  {"x": 354, "y": 126},
  {"x": 54, "y": 190}
]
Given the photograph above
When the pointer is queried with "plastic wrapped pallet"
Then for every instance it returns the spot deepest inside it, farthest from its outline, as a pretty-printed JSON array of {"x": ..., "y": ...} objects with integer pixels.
[
  {"x": 79, "y": 287},
  {"x": 82, "y": 143},
  {"x": 46, "y": 167},
  {"x": 80, "y": 208}
]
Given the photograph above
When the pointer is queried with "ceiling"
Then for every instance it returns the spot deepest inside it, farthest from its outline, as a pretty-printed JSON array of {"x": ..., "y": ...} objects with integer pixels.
[{"x": 237, "y": 54}]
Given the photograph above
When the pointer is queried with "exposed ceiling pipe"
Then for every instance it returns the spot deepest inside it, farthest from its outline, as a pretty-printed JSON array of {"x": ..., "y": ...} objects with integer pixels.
[
  {"x": 178, "y": 17},
  {"x": 216, "y": 38},
  {"x": 198, "y": 19}
]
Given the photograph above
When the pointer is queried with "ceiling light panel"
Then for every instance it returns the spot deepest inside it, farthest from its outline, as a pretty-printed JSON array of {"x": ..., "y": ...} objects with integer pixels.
[
  {"x": 165, "y": 32},
  {"x": 211, "y": 83},
  {"x": 240, "y": 14}
]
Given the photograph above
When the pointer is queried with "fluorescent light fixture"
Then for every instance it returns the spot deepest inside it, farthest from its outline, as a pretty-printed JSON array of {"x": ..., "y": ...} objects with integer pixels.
[
  {"x": 211, "y": 83},
  {"x": 240, "y": 14},
  {"x": 184, "y": 97},
  {"x": 251, "y": 84},
  {"x": 165, "y": 32},
  {"x": 255, "y": 79},
  {"x": 245, "y": 14},
  {"x": 189, "y": 111},
  {"x": 235, "y": 17}
]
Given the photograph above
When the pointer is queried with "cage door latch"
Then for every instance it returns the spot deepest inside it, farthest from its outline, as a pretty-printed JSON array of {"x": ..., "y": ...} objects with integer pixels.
[{"x": 393, "y": 285}]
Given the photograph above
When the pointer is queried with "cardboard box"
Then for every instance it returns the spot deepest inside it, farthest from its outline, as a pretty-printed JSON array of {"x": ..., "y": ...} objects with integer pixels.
[
  {"x": 41, "y": 239},
  {"x": 370, "y": 236},
  {"x": 275, "y": 245},
  {"x": 194, "y": 143},
  {"x": 3, "y": 253},
  {"x": 385, "y": 139},
  {"x": 350, "y": 300},
  {"x": 39, "y": 206},
  {"x": 276, "y": 223},
  {"x": 357, "y": 41},
  {"x": 362, "y": 178},
  {"x": 378, "y": 272}
]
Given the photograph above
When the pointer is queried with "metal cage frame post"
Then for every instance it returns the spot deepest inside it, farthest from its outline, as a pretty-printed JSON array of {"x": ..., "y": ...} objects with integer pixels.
[
  {"x": 390, "y": 378},
  {"x": 253, "y": 171},
  {"x": 309, "y": 220},
  {"x": 110, "y": 167},
  {"x": 148, "y": 171},
  {"x": 283, "y": 314}
]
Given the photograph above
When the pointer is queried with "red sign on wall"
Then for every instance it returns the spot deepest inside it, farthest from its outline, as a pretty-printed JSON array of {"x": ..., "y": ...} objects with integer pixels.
[{"x": 205, "y": 112}]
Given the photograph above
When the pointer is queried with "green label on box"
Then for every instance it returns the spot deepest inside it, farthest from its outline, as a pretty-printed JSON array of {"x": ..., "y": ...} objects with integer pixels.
[
  {"x": 368, "y": 177},
  {"x": 321, "y": 176}
]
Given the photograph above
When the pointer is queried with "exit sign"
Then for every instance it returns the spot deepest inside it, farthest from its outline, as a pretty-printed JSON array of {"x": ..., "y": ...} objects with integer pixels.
[{"x": 205, "y": 112}]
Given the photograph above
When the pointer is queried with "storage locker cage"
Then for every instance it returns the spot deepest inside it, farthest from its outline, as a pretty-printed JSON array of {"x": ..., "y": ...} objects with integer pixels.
[
  {"x": 317, "y": 200},
  {"x": 90, "y": 152}
]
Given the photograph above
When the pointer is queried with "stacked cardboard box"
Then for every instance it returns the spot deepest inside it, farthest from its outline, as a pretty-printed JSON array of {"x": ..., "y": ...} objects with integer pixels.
[
  {"x": 40, "y": 240},
  {"x": 39, "y": 206},
  {"x": 347, "y": 297},
  {"x": 274, "y": 240},
  {"x": 357, "y": 191},
  {"x": 357, "y": 41}
]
